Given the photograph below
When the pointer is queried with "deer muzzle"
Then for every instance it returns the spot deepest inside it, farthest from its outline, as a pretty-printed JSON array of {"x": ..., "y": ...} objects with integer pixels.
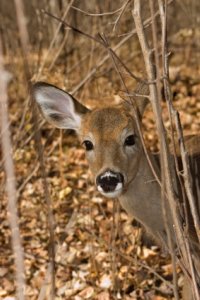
[{"x": 110, "y": 183}]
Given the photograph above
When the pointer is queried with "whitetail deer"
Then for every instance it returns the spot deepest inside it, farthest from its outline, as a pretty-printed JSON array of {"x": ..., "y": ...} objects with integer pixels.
[{"x": 114, "y": 152}]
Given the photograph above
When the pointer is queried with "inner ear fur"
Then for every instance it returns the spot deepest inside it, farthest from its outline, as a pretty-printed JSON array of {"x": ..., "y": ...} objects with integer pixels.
[
  {"x": 58, "y": 107},
  {"x": 80, "y": 108},
  {"x": 142, "y": 99},
  {"x": 138, "y": 103}
]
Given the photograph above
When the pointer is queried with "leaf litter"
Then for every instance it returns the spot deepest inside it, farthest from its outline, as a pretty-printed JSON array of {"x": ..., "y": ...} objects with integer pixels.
[{"x": 89, "y": 263}]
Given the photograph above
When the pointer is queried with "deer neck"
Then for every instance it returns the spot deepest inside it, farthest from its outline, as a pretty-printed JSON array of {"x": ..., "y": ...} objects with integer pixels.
[{"x": 142, "y": 199}]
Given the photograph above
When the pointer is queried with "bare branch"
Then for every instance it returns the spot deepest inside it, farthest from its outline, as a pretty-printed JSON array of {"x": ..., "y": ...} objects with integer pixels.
[
  {"x": 165, "y": 161},
  {"x": 106, "y": 57},
  {"x": 54, "y": 39},
  {"x": 173, "y": 113},
  {"x": 24, "y": 39},
  {"x": 100, "y": 14},
  {"x": 11, "y": 182},
  {"x": 121, "y": 13}
]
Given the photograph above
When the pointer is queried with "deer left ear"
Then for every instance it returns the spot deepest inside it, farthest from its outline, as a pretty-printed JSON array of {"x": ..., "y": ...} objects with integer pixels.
[
  {"x": 58, "y": 107},
  {"x": 141, "y": 105}
]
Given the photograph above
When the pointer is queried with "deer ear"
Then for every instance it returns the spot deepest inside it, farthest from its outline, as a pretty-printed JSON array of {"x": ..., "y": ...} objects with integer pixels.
[
  {"x": 58, "y": 107},
  {"x": 141, "y": 101}
]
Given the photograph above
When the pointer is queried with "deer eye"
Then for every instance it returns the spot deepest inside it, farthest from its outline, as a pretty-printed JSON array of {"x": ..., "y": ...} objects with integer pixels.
[
  {"x": 88, "y": 145},
  {"x": 130, "y": 140}
]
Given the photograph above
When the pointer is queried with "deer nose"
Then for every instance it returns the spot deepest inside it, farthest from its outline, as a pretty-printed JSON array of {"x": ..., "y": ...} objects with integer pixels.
[{"x": 109, "y": 181}]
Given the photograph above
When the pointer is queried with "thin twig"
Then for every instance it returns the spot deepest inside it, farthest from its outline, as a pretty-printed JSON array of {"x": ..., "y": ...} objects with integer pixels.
[
  {"x": 164, "y": 207},
  {"x": 91, "y": 37},
  {"x": 54, "y": 39},
  {"x": 106, "y": 57},
  {"x": 98, "y": 14},
  {"x": 120, "y": 14}
]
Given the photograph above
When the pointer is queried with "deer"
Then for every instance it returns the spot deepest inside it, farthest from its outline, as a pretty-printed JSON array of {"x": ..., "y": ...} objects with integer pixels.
[{"x": 115, "y": 156}]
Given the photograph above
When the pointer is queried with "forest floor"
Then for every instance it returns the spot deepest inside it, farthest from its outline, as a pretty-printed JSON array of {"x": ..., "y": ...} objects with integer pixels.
[{"x": 99, "y": 253}]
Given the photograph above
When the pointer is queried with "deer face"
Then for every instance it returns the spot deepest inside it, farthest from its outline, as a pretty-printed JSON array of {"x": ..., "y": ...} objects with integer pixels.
[
  {"x": 109, "y": 135},
  {"x": 112, "y": 148}
]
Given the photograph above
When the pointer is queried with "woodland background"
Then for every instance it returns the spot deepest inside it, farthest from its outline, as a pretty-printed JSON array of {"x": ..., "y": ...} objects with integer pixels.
[{"x": 99, "y": 253}]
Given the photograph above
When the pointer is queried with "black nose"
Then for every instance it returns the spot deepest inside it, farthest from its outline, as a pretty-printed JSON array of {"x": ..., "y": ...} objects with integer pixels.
[{"x": 109, "y": 180}]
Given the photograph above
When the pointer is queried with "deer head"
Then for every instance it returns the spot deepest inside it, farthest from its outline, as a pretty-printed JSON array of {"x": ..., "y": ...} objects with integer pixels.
[{"x": 109, "y": 135}]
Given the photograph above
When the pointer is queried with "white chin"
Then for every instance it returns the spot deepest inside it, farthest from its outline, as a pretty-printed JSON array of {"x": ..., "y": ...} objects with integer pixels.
[{"x": 113, "y": 194}]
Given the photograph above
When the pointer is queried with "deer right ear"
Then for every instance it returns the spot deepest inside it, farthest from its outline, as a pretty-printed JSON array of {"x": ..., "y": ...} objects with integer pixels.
[{"x": 58, "y": 107}]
